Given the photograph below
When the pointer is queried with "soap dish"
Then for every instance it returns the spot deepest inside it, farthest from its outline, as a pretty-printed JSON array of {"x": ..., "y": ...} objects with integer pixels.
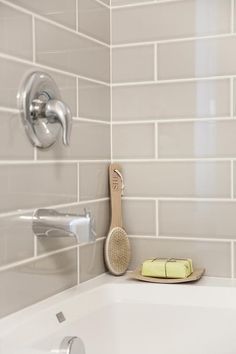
[{"x": 196, "y": 275}]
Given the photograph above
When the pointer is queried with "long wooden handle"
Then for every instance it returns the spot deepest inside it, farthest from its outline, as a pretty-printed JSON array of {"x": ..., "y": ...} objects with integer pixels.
[{"x": 115, "y": 193}]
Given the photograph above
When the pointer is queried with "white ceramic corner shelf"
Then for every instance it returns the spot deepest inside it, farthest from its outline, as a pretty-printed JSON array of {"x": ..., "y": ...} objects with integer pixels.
[{"x": 120, "y": 316}]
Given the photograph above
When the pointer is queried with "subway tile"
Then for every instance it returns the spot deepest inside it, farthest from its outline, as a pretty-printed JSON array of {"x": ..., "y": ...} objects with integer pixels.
[
  {"x": 60, "y": 11},
  {"x": 94, "y": 19},
  {"x": 15, "y": 26},
  {"x": 70, "y": 52},
  {"x": 198, "y": 139},
  {"x": 14, "y": 145},
  {"x": 46, "y": 277},
  {"x": 172, "y": 100},
  {"x": 35, "y": 185},
  {"x": 197, "y": 219},
  {"x": 201, "y": 179},
  {"x": 133, "y": 64},
  {"x": 127, "y": 141},
  {"x": 88, "y": 141},
  {"x": 139, "y": 217},
  {"x": 165, "y": 20},
  {"x": 91, "y": 260},
  {"x": 94, "y": 100},
  {"x": 93, "y": 181},
  {"x": 16, "y": 238},
  {"x": 10, "y": 84},
  {"x": 213, "y": 256},
  {"x": 100, "y": 211},
  {"x": 201, "y": 58}
]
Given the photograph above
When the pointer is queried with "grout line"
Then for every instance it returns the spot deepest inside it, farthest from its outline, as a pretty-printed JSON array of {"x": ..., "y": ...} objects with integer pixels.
[
  {"x": 232, "y": 16},
  {"x": 157, "y": 217},
  {"x": 46, "y": 162},
  {"x": 173, "y": 160},
  {"x": 43, "y": 66},
  {"x": 156, "y": 141},
  {"x": 33, "y": 39},
  {"x": 159, "y": 160},
  {"x": 232, "y": 259},
  {"x": 232, "y": 179},
  {"x": 172, "y": 120},
  {"x": 175, "y": 40},
  {"x": 155, "y": 63},
  {"x": 54, "y": 23},
  {"x": 33, "y": 259},
  {"x": 231, "y": 97},
  {"x": 181, "y": 199},
  {"x": 194, "y": 239},
  {"x": 76, "y": 15},
  {"x": 89, "y": 120},
  {"x": 78, "y": 185},
  {"x": 173, "y": 81}
]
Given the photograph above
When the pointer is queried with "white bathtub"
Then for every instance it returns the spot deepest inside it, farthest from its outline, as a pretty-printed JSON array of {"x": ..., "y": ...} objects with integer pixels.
[{"x": 120, "y": 316}]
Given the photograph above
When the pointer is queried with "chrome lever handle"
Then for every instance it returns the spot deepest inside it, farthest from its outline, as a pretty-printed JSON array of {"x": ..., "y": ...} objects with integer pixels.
[
  {"x": 62, "y": 113},
  {"x": 42, "y": 110}
]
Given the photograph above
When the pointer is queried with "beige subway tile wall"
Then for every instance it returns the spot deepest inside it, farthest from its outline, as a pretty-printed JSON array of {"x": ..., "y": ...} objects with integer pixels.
[
  {"x": 70, "y": 41},
  {"x": 173, "y": 128}
]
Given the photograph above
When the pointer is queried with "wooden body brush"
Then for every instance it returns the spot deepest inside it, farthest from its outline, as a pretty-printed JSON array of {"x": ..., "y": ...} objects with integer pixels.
[{"x": 117, "y": 247}]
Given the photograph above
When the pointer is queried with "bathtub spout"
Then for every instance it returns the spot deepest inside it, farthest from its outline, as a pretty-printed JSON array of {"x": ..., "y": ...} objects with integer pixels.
[{"x": 50, "y": 223}]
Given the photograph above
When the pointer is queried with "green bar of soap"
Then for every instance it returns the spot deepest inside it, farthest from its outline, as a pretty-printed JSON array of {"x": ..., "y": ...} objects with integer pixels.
[{"x": 167, "y": 268}]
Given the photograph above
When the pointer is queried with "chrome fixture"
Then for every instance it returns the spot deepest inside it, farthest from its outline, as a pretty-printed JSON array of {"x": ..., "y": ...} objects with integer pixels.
[
  {"x": 50, "y": 223},
  {"x": 42, "y": 110},
  {"x": 72, "y": 345}
]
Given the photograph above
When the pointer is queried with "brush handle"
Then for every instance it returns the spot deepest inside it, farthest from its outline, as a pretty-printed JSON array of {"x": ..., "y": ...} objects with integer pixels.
[{"x": 115, "y": 193}]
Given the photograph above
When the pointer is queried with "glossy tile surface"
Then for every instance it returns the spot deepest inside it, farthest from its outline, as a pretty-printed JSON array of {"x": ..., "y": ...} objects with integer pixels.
[
  {"x": 93, "y": 181},
  {"x": 201, "y": 58},
  {"x": 15, "y": 25},
  {"x": 171, "y": 19},
  {"x": 91, "y": 260},
  {"x": 94, "y": 19},
  {"x": 31, "y": 186},
  {"x": 70, "y": 52},
  {"x": 200, "y": 139},
  {"x": 14, "y": 144},
  {"x": 133, "y": 64},
  {"x": 127, "y": 141},
  {"x": 93, "y": 100},
  {"x": 60, "y": 11},
  {"x": 139, "y": 217},
  {"x": 197, "y": 219},
  {"x": 177, "y": 179},
  {"x": 213, "y": 256},
  {"x": 46, "y": 277},
  {"x": 16, "y": 238},
  {"x": 172, "y": 100}
]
